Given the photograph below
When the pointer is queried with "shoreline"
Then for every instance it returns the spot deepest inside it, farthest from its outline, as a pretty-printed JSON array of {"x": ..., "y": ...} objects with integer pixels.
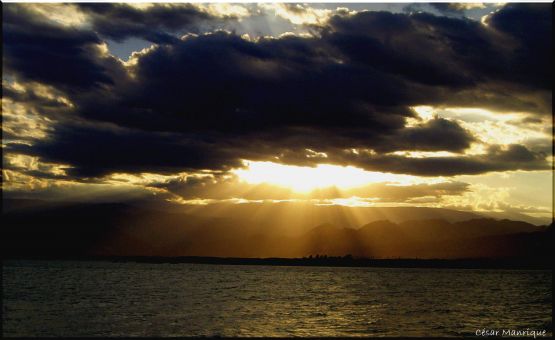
[{"x": 345, "y": 261}]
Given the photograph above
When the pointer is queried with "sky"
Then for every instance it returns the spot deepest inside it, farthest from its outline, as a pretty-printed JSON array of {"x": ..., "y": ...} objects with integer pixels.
[{"x": 431, "y": 105}]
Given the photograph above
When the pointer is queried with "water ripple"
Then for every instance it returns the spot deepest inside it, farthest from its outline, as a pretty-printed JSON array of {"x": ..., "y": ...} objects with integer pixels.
[{"x": 63, "y": 298}]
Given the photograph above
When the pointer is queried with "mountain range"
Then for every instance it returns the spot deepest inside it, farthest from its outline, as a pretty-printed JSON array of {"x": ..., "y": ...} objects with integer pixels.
[{"x": 263, "y": 230}]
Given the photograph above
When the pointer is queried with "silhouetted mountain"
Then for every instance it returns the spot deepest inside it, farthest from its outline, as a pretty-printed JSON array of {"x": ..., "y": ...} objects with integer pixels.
[
  {"x": 123, "y": 229},
  {"x": 330, "y": 240},
  {"x": 516, "y": 216}
]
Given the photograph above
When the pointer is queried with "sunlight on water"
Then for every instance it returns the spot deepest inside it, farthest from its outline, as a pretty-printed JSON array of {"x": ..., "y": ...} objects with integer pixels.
[{"x": 56, "y": 298}]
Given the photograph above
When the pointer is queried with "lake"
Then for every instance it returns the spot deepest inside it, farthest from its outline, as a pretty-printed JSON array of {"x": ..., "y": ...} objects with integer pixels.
[{"x": 88, "y": 298}]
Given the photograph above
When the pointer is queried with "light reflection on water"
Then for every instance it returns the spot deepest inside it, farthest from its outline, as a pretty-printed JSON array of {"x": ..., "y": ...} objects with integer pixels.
[{"x": 63, "y": 298}]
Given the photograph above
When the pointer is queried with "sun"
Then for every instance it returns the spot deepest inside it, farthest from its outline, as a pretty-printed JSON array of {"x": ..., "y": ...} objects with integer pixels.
[{"x": 306, "y": 179}]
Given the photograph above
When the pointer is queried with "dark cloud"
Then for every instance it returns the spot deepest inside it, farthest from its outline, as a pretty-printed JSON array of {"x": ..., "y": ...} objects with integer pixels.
[
  {"x": 530, "y": 25},
  {"x": 435, "y": 135},
  {"x": 208, "y": 101},
  {"x": 403, "y": 193},
  {"x": 272, "y": 84},
  {"x": 420, "y": 47},
  {"x": 97, "y": 151},
  {"x": 507, "y": 64},
  {"x": 513, "y": 157},
  {"x": 45, "y": 52},
  {"x": 158, "y": 23}
]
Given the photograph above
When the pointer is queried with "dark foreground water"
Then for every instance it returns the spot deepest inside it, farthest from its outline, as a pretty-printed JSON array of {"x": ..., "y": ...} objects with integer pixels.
[{"x": 63, "y": 298}]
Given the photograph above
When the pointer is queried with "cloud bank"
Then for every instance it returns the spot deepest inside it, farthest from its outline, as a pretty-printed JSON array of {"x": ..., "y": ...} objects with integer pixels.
[{"x": 199, "y": 100}]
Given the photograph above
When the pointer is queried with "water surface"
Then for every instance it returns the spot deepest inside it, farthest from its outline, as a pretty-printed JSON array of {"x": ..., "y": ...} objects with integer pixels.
[{"x": 65, "y": 298}]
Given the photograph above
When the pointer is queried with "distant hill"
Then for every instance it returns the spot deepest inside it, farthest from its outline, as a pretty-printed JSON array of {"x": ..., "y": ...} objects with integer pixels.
[
  {"x": 515, "y": 216},
  {"x": 281, "y": 230},
  {"x": 434, "y": 239}
]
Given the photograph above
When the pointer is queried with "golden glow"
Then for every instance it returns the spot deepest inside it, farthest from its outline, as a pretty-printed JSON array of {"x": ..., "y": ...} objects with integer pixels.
[
  {"x": 488, "y": 126},
  {"x": 424, "y": 113},
  {"x": 298, "y": 14},
  {"x": 424, "y": 154},
  {"x": 305, "y": 179},
  {"x": 140, "y": 179},
  {"x": 62, "y": 14},
  {"x": 353, "y": 201},
  {"x": 470, "y": 5},
  {"x": 225, "y": 9},
  {"x": 32, "y": 163}
]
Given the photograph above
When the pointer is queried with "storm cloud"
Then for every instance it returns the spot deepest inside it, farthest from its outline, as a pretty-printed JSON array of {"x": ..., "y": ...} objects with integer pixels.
[
  {"x": 207, "y": 101},
  {"x": 512, "y": 157},
  {"x": 158, "y": 23},
  {"x": 37, "y": 50}
]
